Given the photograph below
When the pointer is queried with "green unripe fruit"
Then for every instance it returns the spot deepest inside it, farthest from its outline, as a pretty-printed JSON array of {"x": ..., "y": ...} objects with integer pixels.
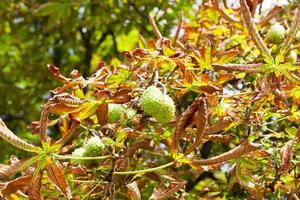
[
  {"x": 130, "y": 112},
  {"x": 94, "y": 146},
  {"x": 292, "y": 57},
  {"x": 79, "y": 152},
  {"x": 276, "y": 34},
  {"x": 158, "y": 105},
  {"x": 115, "y": 112}
]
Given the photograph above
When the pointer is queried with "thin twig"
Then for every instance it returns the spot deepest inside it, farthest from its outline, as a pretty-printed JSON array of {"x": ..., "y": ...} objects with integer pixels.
[
  {"x": 145, "y": 170},
  {"x": 65, "y": 157}
]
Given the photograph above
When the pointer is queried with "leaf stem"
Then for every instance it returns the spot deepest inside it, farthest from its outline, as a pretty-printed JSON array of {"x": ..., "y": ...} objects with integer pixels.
[
  {"x": 63, "y": 157},
  {"x": 145, "y": 170}
]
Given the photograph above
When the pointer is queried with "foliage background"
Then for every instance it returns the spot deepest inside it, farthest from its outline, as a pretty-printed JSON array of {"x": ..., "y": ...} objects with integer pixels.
[
  {"x": 72, "y": 35},
  {"x": 83, "y": 34}
]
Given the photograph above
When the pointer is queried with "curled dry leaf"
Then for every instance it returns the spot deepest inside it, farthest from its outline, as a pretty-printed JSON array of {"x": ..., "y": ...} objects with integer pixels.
[
  {"x": 166, "y": 192},
  {"x": 219, "y": 126},
  {"x": 16, "y": 184},
  {"x": 133, "y": 191},
  {"x": 183, "y": 121},
  {"x": 15, "y": 167},
  {"x": 244, "y": 148},
  {"x": 201, "y": 121},
  {"x": 11, "y": 138},
  {"x": 286, "y": 154}
]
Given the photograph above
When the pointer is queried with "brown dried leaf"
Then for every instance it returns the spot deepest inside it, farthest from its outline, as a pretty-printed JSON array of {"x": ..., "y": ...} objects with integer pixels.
[
  {"x": 34, "y": 191},
  {"x": 228, "y": 56},
  {"x": 123, "y": 98},
  {"x": 133, "y": 191},
  {"x": 102, "y": 114},
  {"x": 164, "y": 193},
  {"x": 209, "y": 89},
  {"x": 15, "y": 167},
  {"x": 247, "y": 19},
  {"x": 244, "y": 148},
  {"x": 219, "y": 138},
  {"x": 286, "y": 154},
  {"x": 181, "y": 66},
  {"x": 183, "y": 121},
  {"x": 219, "y": 126},
  {"x": 56, "y": 73},
  {"x": 16, "y": 184},
  {"x": 56, "y": 175},
  {"x": 11, "y": 138},
  {"x": 139, "y": 145},
  {"x": 273, "y": 12},
  {"x": 201, "y": 121}
]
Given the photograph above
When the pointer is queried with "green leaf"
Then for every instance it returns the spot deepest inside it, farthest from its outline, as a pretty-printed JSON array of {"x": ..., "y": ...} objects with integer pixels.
[{"x": 87, "y": 110}]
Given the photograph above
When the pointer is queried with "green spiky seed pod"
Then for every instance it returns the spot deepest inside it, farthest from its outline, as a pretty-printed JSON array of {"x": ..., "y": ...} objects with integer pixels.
[
  {"x": 158, "y": 105},
  {"x": 115, "y": 113},
  {"x": 130, "y": 112},
  {"x": 292, "y": 57},
  {"x": 276, "y": 34},
  {"x": 94, "y": 146},
  {"x": 79, "y": 152}
]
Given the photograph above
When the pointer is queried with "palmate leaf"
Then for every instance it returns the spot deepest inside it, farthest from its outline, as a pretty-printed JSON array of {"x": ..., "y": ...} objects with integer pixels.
[{"x": 204, "y": 58}]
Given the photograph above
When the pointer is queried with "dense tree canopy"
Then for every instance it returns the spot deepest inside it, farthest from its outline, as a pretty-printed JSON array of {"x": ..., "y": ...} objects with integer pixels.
[
  {"x": 69, "y": 34},
  {"x": 150, "y": 100}
]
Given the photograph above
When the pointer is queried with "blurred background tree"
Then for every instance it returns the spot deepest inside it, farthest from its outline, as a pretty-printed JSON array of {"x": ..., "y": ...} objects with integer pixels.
[{"x": 69, "y": 34}]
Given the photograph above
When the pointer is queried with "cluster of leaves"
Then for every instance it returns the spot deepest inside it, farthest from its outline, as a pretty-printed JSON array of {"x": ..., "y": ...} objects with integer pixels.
[
  {"x": 235, "y": 134},
  {"x": 70, "y": 34}
]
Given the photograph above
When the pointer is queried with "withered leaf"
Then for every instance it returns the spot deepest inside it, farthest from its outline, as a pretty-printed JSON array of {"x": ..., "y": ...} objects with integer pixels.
[
  {"x": 102, "y": 114},
  {"x": 11, "y": 138},
  {"x": 57, "y": 177},
  {"x": 272, "y": 13},
  {"x": 201, "y": 121},
  {"x": 219, "y": 126},
  {"x": 183, "y": 121},
  {"x": 210, "y": 89},
  {"x": 34, "y": 191},
  {"x": 286, "y": 154},
  {"x": 15, "y": 167},
  {"x": 133, "y": 191},
  {"x": 164, "y": 193},
  {"x": 228, "y": 56},
  {"x": 244, "y": 148},
  {"x": 16, "y": 184}
]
